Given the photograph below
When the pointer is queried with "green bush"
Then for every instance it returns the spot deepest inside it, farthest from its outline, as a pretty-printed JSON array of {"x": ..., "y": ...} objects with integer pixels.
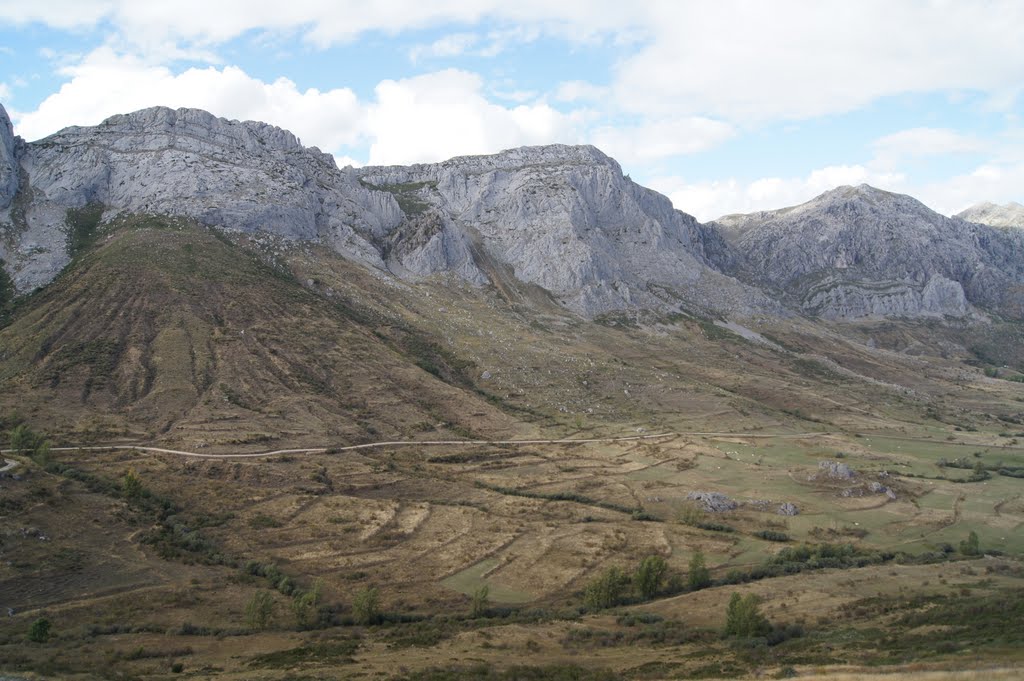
[
  {"x": 259, "y": 609},
  {"x": 649, "y": 576},
  {"x": 700, "y": 576},
  {"x": 607, "y": 590},
  {"x": 743, "y": 618},
  {"x": 39, "y": 632},
  {"x": 366, "y": 606}
]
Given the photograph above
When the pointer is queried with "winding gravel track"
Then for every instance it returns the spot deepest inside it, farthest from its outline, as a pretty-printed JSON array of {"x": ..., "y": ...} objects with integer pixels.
[{"x": 349, "y": 448}]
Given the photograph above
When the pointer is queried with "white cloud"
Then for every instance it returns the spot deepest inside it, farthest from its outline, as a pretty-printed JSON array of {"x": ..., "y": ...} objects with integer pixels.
[
  {"x": 659, "y": 139},
  {"x": 106, "y": 83},
  {"x": 708, "y": 200},
  {"x": 790, "y": 59},
  {"x": 925, "y": 142},
  {"x": 577, "y": 90},
  {"x": 734, "y": 59},
  {"x": 427, "y": 118},
  {"x": 5, "y": 91},
  {"x": 996, "y": 181},
  {"x": 448, "y": 46},
  {"x": 439, "y": 115}
]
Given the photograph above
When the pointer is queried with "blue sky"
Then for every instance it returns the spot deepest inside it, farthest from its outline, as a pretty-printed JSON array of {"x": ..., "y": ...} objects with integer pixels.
[{"x": 727, "y": 106}]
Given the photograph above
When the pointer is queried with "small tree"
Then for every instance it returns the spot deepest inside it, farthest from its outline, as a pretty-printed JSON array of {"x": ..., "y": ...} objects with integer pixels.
[
  {"x": 700, "y": 576},
  {"x": 743, "y": 617},
  {"x": 970, "y": 546},
  {"x": 305, "y": 603},
  {"x": 480, "y": 602},
  {"x": 366, "y": 606},
  {"x": 131, "y": 484},
  {"x": 606, "y": 590},
  {"x": 39, "y": 632},
  {"x": 259, "y": 610},
  {"x": 650, "y": 575}
]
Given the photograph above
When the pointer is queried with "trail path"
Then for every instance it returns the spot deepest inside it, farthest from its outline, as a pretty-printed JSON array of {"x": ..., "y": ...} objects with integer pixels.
[{"x": 437, "y": 443}]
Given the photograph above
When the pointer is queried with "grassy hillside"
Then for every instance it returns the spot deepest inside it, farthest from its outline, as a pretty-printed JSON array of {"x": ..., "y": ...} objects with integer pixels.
[
  {"x": 464, "y": 561},
  {"x": 164, "y": 330}
]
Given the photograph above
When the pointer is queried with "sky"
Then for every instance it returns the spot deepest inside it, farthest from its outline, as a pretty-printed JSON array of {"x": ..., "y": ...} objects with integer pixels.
[{"x": 724, "y": 106}]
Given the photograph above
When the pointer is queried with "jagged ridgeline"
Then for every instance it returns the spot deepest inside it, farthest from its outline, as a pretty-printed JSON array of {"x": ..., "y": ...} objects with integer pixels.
[{"x": 560, "y": 218}]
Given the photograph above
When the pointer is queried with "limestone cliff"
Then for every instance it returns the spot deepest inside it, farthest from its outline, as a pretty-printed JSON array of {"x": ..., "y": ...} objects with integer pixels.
[{"x": 857, "y": 252}]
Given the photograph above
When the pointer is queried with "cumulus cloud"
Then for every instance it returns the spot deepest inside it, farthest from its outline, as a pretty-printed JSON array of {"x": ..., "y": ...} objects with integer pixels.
[
  {"x": 919, "y": 142},
  {"x": 439, "y": 115},
  {"x": 106, "y": 83},
  {"x": 426, "y": 118},
  {"x": 663, "y": 138},
  {"x": 756, "y": 61},
  {"x": 735, "y": 60},
  {"x": 996, "y": 181}
]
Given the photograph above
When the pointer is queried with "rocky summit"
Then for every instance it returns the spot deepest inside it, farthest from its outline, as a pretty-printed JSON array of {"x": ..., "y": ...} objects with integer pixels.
[
  {"x": 1007, "y": 215},
  {"x": 857, "y": 252},
  {"x": 563, "y": 220}
]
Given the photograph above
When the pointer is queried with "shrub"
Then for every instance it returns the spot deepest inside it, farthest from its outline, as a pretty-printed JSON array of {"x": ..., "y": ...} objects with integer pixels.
[
  {"x": 700, "y": 576},
  {"x": 259, "y": 610},
  {"x": 970, "y": 546},
  {"x": 743, "y": 617},
  {"x": 605, "y": 591},
  {"x": 772, "y": 535},
  {"x": 39, "y": 632},
  {"x": 650, "y": 575},
  {"x": 366, "y": 606},
  {"x": 305, "y": 603},
  {"x": 480, "y": 602}
]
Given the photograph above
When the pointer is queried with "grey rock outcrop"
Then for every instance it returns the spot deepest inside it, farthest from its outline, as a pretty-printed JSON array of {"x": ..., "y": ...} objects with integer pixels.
[
  {"x": 8, "y": 160},
  {"x": 566, "y": 219},
  {"x": 857, "y": 252},
  {"x": 713, "y": 502},
  {"x": 834, "y": 470},
  {"x": 788, "y": 509},
  {"x": 1007, "y": 215}
]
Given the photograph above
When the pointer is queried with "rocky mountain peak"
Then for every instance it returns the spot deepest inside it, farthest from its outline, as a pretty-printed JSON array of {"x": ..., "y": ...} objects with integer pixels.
[
  {"x": 986, "y": 213},
  {"x": 856, "y": 252}
]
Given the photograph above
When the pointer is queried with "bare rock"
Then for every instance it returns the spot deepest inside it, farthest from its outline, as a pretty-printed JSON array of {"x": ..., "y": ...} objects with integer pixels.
[
  {"x": 713, "y": 502},
  {"x": 835, "y": 470},
  {"x": 788, "y": 509}
]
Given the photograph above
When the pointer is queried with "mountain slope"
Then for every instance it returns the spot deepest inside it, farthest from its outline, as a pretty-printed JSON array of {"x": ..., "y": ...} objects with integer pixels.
[
  {"x": 164, "y": 329},
  {"x": 861, "y": 252}
]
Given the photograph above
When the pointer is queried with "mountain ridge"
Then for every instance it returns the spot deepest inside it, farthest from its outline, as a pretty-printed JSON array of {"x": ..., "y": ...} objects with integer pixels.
[{"x": 561, "y": 218}]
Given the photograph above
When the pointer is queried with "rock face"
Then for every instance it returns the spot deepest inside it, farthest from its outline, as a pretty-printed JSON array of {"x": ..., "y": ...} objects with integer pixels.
[
  {"x": 242, "y": 176},
  {"x": 1008, "y": 215},
  {"x": 8, "y": 160},
  {"x": 858, "y": 252},
  {"x": 566, "y": 219},
  {"x": 561, "y": 218}
]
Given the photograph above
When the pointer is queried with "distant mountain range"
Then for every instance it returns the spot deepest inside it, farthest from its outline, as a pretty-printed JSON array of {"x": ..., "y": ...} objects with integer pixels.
[{"x": 561, "y": 220}]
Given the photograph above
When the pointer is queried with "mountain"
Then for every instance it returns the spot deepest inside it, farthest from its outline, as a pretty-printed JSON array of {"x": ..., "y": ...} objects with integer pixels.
[
  {"x": 562, "y": 218},
  {"x": 857, "y": 252},
  {"x": 1008, "y": 215},
  {"x": 553, "y": 225}
]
